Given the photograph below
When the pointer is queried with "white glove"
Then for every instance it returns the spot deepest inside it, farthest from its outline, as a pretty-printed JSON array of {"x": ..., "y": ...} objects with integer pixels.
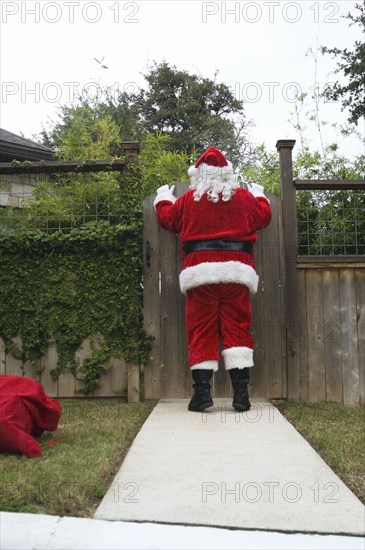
[
  {"x": 256, "y": 190},
  {"x": 165, "y": 188},
  {"x": 165, "y": 193}
]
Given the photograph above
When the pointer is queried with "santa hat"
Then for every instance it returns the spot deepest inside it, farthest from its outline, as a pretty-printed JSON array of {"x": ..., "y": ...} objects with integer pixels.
[{"x": 211, "y": 157}]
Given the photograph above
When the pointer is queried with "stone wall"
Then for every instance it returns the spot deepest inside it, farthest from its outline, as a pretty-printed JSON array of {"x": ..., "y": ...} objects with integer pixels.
[{"x": 13, "y": 188}]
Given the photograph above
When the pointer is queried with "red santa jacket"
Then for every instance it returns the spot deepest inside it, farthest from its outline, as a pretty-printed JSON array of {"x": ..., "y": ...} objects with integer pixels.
[{"x": 235, "y": 220}]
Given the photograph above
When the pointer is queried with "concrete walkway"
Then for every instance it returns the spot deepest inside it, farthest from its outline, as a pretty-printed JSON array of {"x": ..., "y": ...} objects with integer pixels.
[
  {"x": 217, "y": 480},
  {"x": 227, "y": 469}
]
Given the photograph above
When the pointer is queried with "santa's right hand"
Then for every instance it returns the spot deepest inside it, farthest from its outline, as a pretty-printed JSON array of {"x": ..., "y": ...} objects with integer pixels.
[
  {"x": 166, "y": 189},
  {"x": 165, "y": 193},
  {"x": 163, "y": 189}
]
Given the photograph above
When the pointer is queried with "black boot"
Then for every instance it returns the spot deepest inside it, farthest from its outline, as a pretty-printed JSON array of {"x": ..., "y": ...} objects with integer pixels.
[
  {"x": 201, "y": 399},
  {"x": 240, "y": 379}
]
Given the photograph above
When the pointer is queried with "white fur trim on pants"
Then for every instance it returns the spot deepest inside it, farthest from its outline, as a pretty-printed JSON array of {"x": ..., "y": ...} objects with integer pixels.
[
  {"x": 208, "y": 273},
  {"x": 238, "y": 358},
  {"x": 206, "y": 365}
]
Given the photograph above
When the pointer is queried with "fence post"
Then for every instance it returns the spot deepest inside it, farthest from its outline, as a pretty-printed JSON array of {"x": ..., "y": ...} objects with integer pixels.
[{"x": 290, "y": 240}]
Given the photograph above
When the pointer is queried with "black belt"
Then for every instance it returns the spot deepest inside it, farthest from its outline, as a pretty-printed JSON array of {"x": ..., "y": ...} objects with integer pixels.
[{"x": 218, "y": 244}]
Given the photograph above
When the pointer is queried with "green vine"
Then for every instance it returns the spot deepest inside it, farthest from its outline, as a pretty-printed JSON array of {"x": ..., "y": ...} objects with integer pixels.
[{"x": 65, "y": 287}]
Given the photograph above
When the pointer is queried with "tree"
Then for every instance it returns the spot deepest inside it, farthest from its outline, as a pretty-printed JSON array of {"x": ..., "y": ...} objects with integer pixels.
[
  {"x": 352, "y": 65},
  {"x": 194, "y": 112},
  {"x": 160, "y": 166},
  {"x": 80, "y": 120},
  {"x": 67, "y": 201}
]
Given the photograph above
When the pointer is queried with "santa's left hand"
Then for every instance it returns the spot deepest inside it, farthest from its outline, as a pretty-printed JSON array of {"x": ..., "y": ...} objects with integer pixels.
[{"x": 256, "y": 190}]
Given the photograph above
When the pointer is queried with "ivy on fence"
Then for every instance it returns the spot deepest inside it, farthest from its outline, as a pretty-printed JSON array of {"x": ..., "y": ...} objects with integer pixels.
[{"x": 64, "y": 287}]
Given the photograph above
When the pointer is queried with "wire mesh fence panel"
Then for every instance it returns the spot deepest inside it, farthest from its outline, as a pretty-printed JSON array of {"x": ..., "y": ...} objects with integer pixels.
[
  {"x": 331, "y": 222},
  {"x": 58, "y": 203}
]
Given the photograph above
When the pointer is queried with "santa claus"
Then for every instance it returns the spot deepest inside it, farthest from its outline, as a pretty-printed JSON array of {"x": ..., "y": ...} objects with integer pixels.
[{"x": 217, "y": 221}]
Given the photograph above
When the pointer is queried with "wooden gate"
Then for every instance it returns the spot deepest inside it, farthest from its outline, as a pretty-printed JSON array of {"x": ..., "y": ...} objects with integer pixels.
[{"x": 167, "y": 374}]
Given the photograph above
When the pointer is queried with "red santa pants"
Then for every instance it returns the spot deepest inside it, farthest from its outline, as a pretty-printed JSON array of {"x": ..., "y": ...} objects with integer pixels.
[{"x": 219, "y": 311}]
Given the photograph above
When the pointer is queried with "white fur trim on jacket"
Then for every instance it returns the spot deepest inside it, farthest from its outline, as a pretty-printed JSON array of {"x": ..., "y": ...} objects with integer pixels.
[
  {"x": 206, "y": 365},
  {"x": 238, "y": 358},
  {"x": 208, "y": 273}
]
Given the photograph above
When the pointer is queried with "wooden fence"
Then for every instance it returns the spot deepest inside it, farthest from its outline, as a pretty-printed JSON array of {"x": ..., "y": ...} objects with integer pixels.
[
  {"x": 331, "y": 333},
  {"x": 118, "y": 381},
  {"x": 308, "y": 315},
  {"x": 324, "y": 307}
]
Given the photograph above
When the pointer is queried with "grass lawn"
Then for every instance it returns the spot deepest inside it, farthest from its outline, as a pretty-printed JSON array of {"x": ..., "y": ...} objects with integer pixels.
[
  {"x": 93, "y": 437},
  {"x": 337, "y": 433},
  {"x": 72, "y": 475}
]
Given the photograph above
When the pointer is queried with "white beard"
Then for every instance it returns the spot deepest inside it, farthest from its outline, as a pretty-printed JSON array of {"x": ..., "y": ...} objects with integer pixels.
[{"x": 215, "y": 182}]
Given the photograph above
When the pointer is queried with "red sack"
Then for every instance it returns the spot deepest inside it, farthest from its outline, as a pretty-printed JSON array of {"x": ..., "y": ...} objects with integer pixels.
[{"x": 25, "y": 413}]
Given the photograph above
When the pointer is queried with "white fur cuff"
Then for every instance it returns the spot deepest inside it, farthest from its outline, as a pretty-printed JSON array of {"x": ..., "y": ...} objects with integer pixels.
[
  {"x": 238, "y": 358},
  {"x": 206, "y": 365}
]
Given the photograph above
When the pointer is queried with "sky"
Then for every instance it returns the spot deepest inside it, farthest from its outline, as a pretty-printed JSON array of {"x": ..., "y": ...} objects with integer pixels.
[{"x": 259, "y": 49}]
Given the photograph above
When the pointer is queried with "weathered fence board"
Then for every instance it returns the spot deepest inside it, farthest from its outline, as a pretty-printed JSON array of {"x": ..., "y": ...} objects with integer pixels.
[
  {"x": 360, "y": 316},
  {"x": 169, "y": 317},
  {"x": 272, "y": 307},
  {"x": 350, "y": 368},
  {"x": 257, "y": 373},
  {"x": 151, "y": 299},
  {"x": 117, "y": 376},
  {"x": 50, "y": 385},
  {"x": 67, "y": 385},
  {"x": 332, "y": 335},
  {"x": 2, "y": 357},
  {"x": 133, "y": 383},
  {"x": 317, "y": 380},
  {"x": 297, "y": 333}
]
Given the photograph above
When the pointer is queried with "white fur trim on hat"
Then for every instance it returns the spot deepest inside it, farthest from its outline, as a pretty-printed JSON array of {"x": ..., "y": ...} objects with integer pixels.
[
  {"x": 219, "y": 272},
  {"x": 193, "y": 171},
  {"x": 206, "y": 365},
  {"x": 238, "y": 357}
]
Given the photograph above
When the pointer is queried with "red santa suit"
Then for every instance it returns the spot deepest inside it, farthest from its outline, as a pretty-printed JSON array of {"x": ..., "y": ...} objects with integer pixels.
[{"x": 217, "y": 231}]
